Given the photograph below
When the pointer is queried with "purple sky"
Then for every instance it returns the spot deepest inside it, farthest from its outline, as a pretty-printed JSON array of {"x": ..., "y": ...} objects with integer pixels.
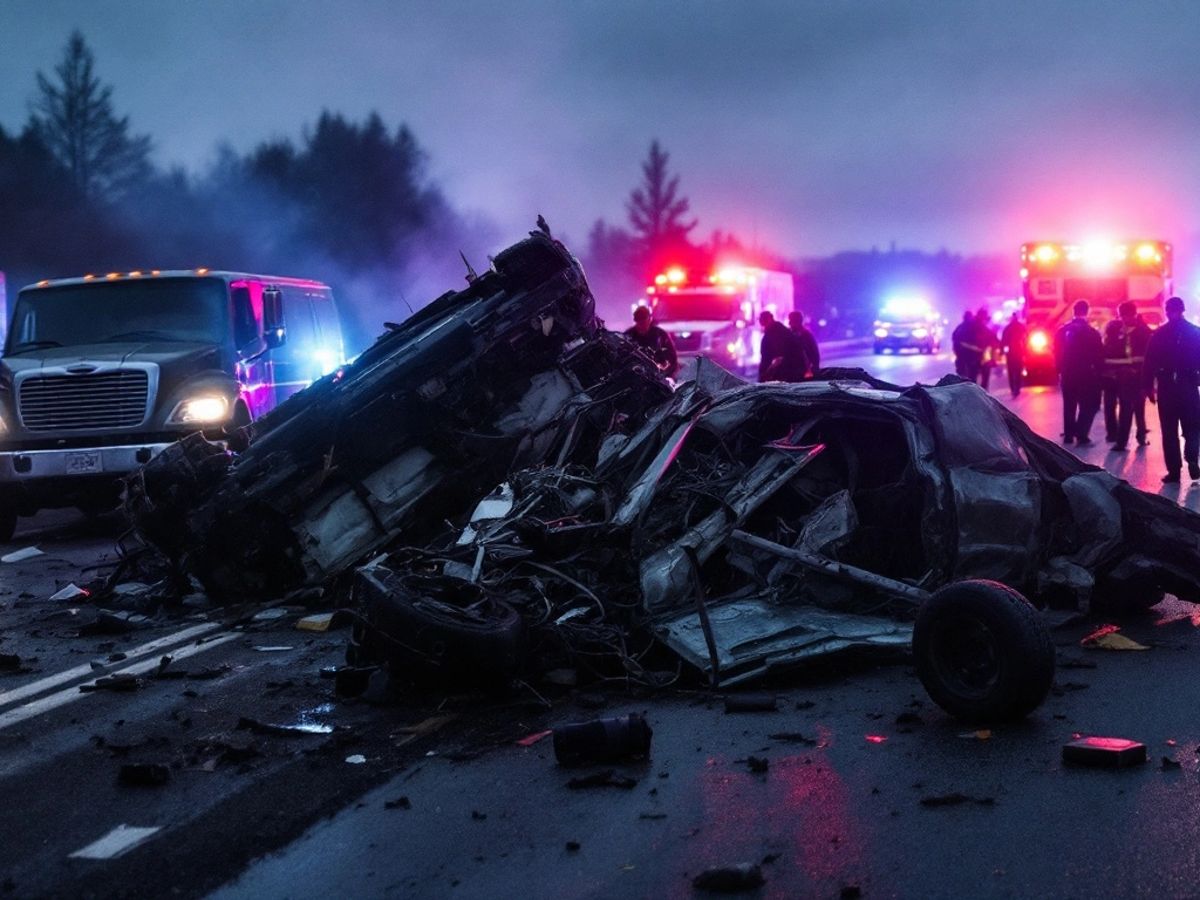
[{"x": 815, "y": 125}]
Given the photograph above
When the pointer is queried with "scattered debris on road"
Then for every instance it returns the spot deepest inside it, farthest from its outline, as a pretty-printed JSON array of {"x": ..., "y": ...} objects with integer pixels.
[
  {"x": 607, "y": 778},
  {"x": 21, "y": 555},
  {"x": 603, "y": 740},
  {"x": 734, "y": 879}
]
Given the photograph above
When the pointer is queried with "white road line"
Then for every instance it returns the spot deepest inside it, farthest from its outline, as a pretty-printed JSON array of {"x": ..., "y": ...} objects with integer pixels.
[
  {"x": 120, "y": 840},
  {"x": 69, "y": 695},
  {"x": 50, "y": 682}
]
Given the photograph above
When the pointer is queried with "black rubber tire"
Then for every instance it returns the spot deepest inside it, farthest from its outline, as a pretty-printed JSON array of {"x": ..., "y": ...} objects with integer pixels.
[
  {"x": 983, "y": 652},
  {"x": 437, "y": 627},
  {"x": 8, "y": 521}
]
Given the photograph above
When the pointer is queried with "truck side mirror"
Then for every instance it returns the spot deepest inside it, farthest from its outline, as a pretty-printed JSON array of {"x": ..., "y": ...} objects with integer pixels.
[{"x": 274, "y": 329}]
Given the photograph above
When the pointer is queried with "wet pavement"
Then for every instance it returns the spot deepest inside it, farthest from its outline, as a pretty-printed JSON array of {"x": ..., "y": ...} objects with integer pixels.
[{"x": 838, "y": 810}]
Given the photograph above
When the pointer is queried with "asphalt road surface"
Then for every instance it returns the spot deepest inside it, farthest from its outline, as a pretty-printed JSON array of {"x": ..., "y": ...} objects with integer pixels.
[{"x": 872, "y": 789}]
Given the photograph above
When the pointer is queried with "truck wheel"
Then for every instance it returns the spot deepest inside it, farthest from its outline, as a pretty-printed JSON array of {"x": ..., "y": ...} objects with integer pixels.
[
  {"x": 436, "y": 626},
  {"x": 8, "y": 521},
  {"x": 982, "y": 652}
]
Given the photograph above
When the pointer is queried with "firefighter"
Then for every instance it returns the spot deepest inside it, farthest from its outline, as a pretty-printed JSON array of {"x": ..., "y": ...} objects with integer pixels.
[
  {"x": 811, "y": 350},
  {"x": 782, "y": 356},
  {"x": 1079, "y": 354},
  {"x": 656, "y": 342},
  {"x": 1125, "y": 341},
  {"x": 988, "y": 344},
  {"x": 1172, "y": 372},
  {"x": 967, "y": 354},
  {"x": 1013, "y": 339}
]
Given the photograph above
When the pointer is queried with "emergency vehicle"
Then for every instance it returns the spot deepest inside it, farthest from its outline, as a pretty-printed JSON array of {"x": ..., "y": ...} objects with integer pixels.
[
  {"x": 715, "y": 314},
  {"x": 908, "y": 322},
  {"x": 100, "y": 373},
  {"x": 1054, "y": 275}
]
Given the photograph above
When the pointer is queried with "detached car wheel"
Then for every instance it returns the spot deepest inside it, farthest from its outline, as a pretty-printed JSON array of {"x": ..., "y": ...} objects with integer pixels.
[
  {"x": 436, "y": 626},
  {"x": 982, "y": 652}
]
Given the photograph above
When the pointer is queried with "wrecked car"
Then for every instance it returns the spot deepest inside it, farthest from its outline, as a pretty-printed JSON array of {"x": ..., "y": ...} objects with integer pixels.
[{"x": 508, "y": 488}]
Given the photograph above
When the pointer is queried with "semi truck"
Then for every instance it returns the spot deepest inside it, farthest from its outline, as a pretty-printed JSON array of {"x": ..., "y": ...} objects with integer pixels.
[
  {"x": 715, "y": 313},
  {"x": 101, "y": 373},
  {"x": 1056, "y": 274}
]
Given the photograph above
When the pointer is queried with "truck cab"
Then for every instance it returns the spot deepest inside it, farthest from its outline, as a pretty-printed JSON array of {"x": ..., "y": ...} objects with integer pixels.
[{"x": 100, "y": 373}]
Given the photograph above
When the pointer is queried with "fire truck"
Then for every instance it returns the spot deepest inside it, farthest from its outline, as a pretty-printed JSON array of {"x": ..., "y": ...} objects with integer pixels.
[
  {"x": 715, "y": 314},
  {"x": 1054, "y": 275}
]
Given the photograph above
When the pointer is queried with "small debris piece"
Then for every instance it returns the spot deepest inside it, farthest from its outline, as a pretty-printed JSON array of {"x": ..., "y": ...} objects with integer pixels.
[
  {"x": 602, "y": 740},
  {"x": 1169, "y": 765},
  {"x": 770, "y": 858},
  {"x": 257, "y": 727},
  {"x": 269, "y": 615},
  {"x": 272, "y": 649},
  {"x": 909, "y": 718},
  {"x": 1115, "y": 641},
  {"x": 118, "y": 682},
  {"x": 758, "y": 764},
  {"x": 607, "y": 778},
  {"x": 356, "y": 760},
  {"x": 477, "y": 815},
  {"x": 956, "y": 799},
  {"x": 398, "y": 803},
  {"x": 652, "y": 815},
  {"x": 21, "y": 555},
  {"x": 70, "y": 592},
  {"x": 1076, "y": 662},
  {"x": 1105, "y": 752},
  {"x": 740, "y": 703},
  {"x": 531, "y": 739},
  {"x": 983, "y": 734},
  {"x": 730, "y": 879},
  {"x": 120, "y": 840},
  {"x": 318, "y": 622},
  {"x": 876, "y": 738},
  {"x": 850, "y": 892},
  {"x": 9, "y": 662},
  {"x": 573, "y": 846},
  {"x": 793, "y": 737},
  {"x": 144, "y": 774}
]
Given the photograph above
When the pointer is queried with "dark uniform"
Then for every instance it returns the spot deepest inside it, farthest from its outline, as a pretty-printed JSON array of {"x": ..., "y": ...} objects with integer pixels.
[
  {"x": 1125, "y": 400},
  {"x": 782, "y": 356},
  {"x": 1013, "y": 340},
  {"x": 967, "y": 354},
  {"x": 811, "y": 350},
  {"x": 1173, "y": 361},
  {"x": 658, "y": 346},
  {"x": 1079, "y": 354}
]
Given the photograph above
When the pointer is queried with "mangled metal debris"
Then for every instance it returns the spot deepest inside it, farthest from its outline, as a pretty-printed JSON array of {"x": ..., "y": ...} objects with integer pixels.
[{"x": 521, "y": 491}]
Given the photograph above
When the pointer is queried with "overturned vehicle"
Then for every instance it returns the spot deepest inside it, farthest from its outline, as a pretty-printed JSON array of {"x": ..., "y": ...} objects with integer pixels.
[{"x": 499, "y": 486}]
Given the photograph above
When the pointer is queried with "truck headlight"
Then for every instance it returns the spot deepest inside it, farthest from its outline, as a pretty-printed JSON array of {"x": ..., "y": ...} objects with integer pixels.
[
  {"x": 200, "y": 410},
  {"x": 881, "y": 332},
  {"x": 920, "y": 332}
]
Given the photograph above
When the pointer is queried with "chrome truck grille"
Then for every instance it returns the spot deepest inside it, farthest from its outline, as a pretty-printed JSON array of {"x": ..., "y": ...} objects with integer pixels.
[{"x": 83, "y": 402}]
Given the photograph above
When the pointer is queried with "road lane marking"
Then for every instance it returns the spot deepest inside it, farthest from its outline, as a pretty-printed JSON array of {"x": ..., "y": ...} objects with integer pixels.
[
  {"x": 7, "y": 698},
  {"x": 69, "y": 695},
  {"x": 120, "y": 840}
]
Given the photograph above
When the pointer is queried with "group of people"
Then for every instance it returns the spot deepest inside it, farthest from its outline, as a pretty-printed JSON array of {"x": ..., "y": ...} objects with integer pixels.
[
  {"x": 789, "y": 352},
  {"x": 1126, "y": 366},
  {"x": 977, "y": 348}
]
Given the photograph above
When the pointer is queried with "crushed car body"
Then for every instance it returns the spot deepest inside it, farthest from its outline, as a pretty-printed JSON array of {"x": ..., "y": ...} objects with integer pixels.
[{"x": 509, "y": 487}]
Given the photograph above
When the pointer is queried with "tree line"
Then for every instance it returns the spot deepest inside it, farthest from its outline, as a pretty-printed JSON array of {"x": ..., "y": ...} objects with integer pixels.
[{"x": 349, "y": 202}]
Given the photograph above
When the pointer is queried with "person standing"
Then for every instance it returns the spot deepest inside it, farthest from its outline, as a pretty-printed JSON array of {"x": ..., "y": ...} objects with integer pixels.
[
  {"x": 1108, "y": 378},
  {"x": 782, "y": 356},
  {"x": 967, "y": 354},
  {"x": 654, "y": 340},
  {"x": 807, "y": 338},
  {"x": 1079, "y": 355},
  {"x": 1013, "y": 340},
  {"x": 1172, "y": 372},
  {"x": 1124, "y": 355},
  {"x": 986, "y": 341}
]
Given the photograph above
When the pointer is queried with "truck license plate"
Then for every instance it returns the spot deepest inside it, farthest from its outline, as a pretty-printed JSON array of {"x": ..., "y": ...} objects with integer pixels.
[{"x": 83, "y": 463}]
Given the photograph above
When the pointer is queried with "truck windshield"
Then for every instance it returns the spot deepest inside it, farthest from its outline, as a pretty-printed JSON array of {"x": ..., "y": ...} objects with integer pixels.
[
  {"x": 703, "y": 306},
  {"x": 163, "y": 309}
]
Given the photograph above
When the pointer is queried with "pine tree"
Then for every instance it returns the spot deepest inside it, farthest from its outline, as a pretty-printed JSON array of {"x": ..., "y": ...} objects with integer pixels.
[
  {"x": 73, "y": 115},
  {"x": 655, "y": 208}
]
